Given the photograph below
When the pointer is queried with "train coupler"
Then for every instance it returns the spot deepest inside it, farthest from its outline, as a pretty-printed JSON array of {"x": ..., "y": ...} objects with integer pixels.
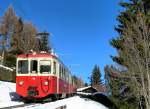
[{"x": 32, "y": 91}]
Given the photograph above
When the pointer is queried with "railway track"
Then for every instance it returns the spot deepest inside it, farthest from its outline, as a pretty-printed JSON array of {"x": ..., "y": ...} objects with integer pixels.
[
  {"x": 29, "y": 106},
  {"x": 21, "y": 105},
  {"x": 33, "y": 104}
]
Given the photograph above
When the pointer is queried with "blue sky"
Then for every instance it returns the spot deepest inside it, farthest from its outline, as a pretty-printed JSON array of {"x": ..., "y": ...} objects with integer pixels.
[{"x": 80, "y": 29}]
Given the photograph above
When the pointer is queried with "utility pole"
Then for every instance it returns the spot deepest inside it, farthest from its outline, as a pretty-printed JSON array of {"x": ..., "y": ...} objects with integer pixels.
[{"x": 43, "y": 41}]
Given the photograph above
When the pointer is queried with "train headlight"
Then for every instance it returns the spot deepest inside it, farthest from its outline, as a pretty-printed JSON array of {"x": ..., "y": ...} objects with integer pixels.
[
  {"x": 46, "y": 83},
  {"x": 21, "y": 83}
]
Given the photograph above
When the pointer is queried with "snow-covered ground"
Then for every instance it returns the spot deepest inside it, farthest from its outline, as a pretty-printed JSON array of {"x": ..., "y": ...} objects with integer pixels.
[
  {"x": 69, "y": 103},
  {"x": 8, "y": 97}
]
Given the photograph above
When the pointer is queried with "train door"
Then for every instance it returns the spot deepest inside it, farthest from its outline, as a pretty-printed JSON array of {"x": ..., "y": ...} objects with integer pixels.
[{"x": 34, "y": 67}]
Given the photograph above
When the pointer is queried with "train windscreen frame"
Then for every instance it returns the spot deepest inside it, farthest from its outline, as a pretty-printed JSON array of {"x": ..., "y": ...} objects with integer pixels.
[
  {"x": 23, "y": 66},
  {"x": 45, "y": 66}
]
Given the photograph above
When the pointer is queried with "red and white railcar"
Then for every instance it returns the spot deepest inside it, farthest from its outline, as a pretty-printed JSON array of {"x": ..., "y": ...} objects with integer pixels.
[{"x": 40, "y": 75}]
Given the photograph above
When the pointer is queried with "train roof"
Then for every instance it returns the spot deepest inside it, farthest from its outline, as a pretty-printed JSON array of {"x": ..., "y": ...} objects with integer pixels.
[{"x": 38, "y": 55}]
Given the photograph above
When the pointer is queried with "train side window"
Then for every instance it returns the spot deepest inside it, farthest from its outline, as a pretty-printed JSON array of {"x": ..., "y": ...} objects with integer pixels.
[
  {"x": 54, "y": 67},
  {"x": 63, "y": 73},
  {"x": 72, "y": 80},
  {"x": 34, "y": 66},
  {"x": 59, "y": 71},
  {"x": 23, "y": 66},
  {"x": 45, "y": 66},
  {"x": 67, "y": 76}
]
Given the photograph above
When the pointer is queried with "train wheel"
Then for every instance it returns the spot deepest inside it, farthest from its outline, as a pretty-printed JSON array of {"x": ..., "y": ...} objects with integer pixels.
[
  {"x": 64, "y": 95},
  {"x": 67, "y": 95},
  {"x": 48, "y": 99},
  {"x": 55, "y": 97}
]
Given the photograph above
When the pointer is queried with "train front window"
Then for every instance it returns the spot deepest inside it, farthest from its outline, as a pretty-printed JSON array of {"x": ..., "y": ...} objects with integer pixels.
[
  {"x": 45, "y": 67},
  {"x": 34, "y": 66},
  {"x": 22, "y": 66}
]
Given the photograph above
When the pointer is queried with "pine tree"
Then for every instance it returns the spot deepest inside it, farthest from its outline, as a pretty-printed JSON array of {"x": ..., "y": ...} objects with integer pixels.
[
  {"x": 132, "y": 8},
  {"x": 132, "y": 48},
  {"x": 118, "y": 89},
  {"x": 96, "y": 76}
]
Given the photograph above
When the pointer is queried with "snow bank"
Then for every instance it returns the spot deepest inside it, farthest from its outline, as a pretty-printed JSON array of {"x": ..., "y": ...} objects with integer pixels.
[
  {"x": 70, "y": 103},
  {"x": 8, "y": 96}
]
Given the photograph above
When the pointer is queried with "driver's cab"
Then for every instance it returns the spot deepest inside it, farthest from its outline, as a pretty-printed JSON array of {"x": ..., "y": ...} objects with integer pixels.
[
  {"x": 33, "y": 67},
  {"x": 27, "y": 66}
]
